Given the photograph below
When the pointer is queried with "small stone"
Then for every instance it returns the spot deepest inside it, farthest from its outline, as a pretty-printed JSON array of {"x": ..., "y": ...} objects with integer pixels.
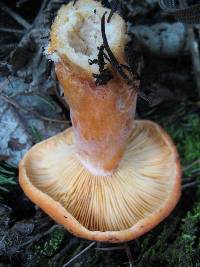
[
  {"x": 24, "y": 228},
  {"x": 164, "y": 39}
]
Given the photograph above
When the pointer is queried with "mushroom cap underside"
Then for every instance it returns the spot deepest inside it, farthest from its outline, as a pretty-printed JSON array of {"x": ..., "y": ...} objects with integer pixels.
[{"x": 116, "y": 208}]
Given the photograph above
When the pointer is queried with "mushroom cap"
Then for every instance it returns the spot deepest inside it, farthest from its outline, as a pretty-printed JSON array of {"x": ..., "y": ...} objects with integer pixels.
[{"x": 116, "y": 208}]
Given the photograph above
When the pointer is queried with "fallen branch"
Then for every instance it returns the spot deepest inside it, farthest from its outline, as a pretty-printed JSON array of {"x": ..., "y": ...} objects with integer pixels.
[{"x": 15, "y": 16}]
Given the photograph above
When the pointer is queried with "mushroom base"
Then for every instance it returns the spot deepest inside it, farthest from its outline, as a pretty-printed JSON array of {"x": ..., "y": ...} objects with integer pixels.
[{"x": 140, "y": 194}]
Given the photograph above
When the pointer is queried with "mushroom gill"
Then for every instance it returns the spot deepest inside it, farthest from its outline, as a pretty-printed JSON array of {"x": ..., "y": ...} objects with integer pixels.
[{"x": 145, "y": 182}]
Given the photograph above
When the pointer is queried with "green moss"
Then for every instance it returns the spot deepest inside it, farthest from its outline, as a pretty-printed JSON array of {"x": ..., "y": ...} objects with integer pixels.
[
  {"x": 177, "y": 241},
  {"x": 8, "y": 174},
  {"x": 188, "y": 241},
  {"x": 37, "y": 136},
  {"x": 186, "y": 134},
  {"x": 48, "y": 247}
]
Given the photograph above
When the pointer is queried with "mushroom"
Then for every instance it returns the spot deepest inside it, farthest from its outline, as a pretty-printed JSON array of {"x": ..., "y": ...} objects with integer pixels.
[{"x": 109, "y": 178}]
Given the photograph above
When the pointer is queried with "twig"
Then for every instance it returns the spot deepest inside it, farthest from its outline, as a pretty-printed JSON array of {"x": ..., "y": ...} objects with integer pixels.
[
  {"x": 21, "y": 2},
  {"x": 123, "y": 247},
  {"x": 188, "y": 185},
  {"x": 80, "y": 253},
  {"x": 74, "y": 2},
  {"x": 8, "y": 46},
  {"x": 116, "y": 65},
  {"x": 40, "y": 13},
  {"x": 187, "y": 180},
  {"x": 114, "y": 8},
  {"x": 63, "y": 251},
  {"x": 13, "y": 103},
  {"x": 191, "y": 165},
  {"x": 111, "y": 248},
  {"x": 39, "y": 236},
  {"x": 129, "y": 255},
  {"x": 15, "y": 31},
  {"x": 15, "y": 16}
]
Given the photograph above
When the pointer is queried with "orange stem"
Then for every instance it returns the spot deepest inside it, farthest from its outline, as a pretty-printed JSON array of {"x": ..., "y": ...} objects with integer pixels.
[{"x": 102, "y": 118}]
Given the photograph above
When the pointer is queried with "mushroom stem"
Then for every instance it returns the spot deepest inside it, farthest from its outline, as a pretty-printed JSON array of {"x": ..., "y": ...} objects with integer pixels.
[
  {"x": 102, "y": 118},
  {"x": 102, "y": 115}
]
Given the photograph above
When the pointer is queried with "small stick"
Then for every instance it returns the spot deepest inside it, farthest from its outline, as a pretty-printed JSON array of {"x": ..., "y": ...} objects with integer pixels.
[
  {"x": 15, "y": 16},
  {"x": 187, "y": 180},
  {"x": 129, "y": 255},
  {"x": 114, "y": 8},
  {"x": 111, "y": 248},
  {"x": 8, "y": 46},
  {"x": 39, "y": 236},
  {"x": 191, "y": 165},
  {"x": 80, "y": 253},
  {"x": 16, "y": 31},
  {"x": 13, "y": 103},
  {"x": 188, "y": 185},
  {"x": 61, "y": 253},
  {"x": 20, "y": 2}
]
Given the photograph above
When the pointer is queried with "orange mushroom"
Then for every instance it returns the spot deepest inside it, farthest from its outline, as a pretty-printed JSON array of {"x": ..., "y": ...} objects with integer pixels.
[{"x": 108, "y": 178}]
